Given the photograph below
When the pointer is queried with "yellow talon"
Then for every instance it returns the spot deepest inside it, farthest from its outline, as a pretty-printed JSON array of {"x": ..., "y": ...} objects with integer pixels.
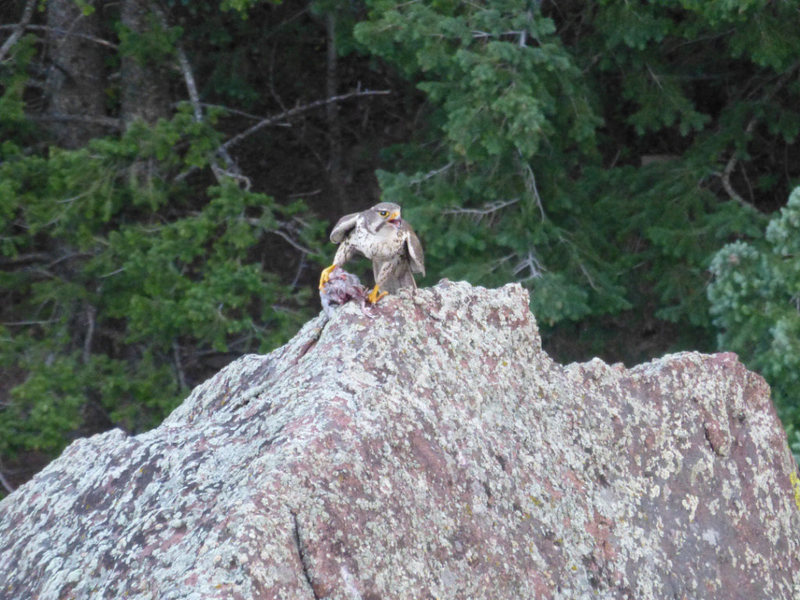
[
  {"x": 325, "y": 276},
  {"x": 374, "y": 296}
]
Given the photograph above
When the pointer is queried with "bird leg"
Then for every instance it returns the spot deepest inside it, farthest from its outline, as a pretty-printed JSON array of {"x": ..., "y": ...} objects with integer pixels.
[
  {"x": 325, "y": 276},
  {"x": 374, "y": 296}
]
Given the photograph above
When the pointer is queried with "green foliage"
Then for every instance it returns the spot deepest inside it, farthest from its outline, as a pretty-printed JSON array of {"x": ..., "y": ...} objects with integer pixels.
[
  {"x": 45, "y": 411},
  {"x": 86, "y": 7},
  {"x": 755, "y": 303},
  {"x": 499, "y": 95},
  {"x": 13, "y": 80},
  {"x": 496, "y": 76},
  {"x": 533, "y": 165},
  {"x": 240, "y": 6},
  {"x": 138, "y": 278},
  {"x": 154, "y": 46}
]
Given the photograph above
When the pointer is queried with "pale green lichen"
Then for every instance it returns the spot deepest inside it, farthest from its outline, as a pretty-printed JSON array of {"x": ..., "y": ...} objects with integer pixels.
[{"x": 795, "y": 487}]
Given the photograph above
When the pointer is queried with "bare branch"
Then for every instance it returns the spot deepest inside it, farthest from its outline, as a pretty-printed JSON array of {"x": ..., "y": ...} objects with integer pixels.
[
  {"x": 531, "y": 264},
  {"x": 19, "y": 28},
  {"x": 194, "y": 99},
  {"x": 477, "y": 214},
  {"x": 588, "y": 277},
  {"x": 67, "y": 256},
  {"x": 28, "y": 323},
  {"x": 191, "y": 86},
  {"x": 730, "y": 166},
  {"x": 8, "y": 487},
  {"x": 256, "y": 223},
  {"x": 433, "y": 173},
  {"x": 300, "y": 268},
  {"x": 530, "y": 183},
  {"x": 232, "y": 169},
  {"x": 300, "y": 109},
  {"x": 64, "y": 32},
  {"x": 109, "y": 122},
  {"x": 112, "y": 273},
  {"x": 725, "y": 175},
  {"x": 725, "y": 178},
  {"x": 305, "y": 194},
  {"x": 521, "y": 34},
  {"x": 291, "y": 242},
  {"x": 277, "y": 119},
  {"x": 233, "y": 172},
  {"x": 91, "y": 314},
  {"x": 176, "y": 351},
  {"x": 23, "y": 259},
  {"x": 501, "y": 261},
  {"x": 655, "y": 77},
  {"x": 241, "y": 113},
  {"x": 332, "y": 108}
]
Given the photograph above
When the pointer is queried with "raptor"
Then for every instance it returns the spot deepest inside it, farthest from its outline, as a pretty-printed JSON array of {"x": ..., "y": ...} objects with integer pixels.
[{"x": 381, "y": 235}]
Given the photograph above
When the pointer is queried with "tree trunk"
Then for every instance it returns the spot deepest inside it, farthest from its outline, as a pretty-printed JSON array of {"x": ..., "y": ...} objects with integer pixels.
[
  {"x": 145, "y": 87},
  {"x": 75, "y": 81},
  {"x": 332, "y": 111}
]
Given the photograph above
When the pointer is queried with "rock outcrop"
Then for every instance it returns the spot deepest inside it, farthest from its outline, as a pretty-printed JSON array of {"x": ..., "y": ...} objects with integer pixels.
[{"x": 432, "y": 451}]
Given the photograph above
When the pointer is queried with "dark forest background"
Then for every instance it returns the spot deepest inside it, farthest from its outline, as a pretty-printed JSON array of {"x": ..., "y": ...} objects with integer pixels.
[{"x": 169, "y": 171}]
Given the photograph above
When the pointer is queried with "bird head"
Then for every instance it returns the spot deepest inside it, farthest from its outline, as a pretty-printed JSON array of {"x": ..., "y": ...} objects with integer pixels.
[{"x": 388, "y": 212}]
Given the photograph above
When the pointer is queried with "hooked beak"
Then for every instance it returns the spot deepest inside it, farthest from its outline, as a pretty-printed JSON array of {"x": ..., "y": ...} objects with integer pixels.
[{"x": 394, "y": 218}]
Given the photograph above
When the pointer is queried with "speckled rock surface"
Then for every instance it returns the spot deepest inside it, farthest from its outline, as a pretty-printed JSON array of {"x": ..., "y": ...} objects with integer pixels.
[{"x": 433, "y": 451}]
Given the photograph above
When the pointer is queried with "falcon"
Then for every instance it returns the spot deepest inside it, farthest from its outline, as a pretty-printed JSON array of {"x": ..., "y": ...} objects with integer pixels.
[{"x": 381, "y": 235}]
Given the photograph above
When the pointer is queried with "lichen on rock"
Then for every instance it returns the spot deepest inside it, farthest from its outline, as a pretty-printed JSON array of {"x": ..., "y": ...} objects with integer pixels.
[{"x": 433, "y": 451}]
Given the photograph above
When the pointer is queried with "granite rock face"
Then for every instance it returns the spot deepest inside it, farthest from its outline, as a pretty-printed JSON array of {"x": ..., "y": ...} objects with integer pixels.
[{"x": 432, "y": 451}]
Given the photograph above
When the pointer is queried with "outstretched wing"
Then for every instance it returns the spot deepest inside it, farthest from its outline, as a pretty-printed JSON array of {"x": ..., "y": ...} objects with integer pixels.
[
  {"x": 343, "y": 227},
  {"x": 414, "y": 248}
]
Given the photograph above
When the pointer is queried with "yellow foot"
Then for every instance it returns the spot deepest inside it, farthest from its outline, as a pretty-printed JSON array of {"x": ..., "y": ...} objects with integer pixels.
[
  {"x": 325, "y": 276},
  {"x": 374, "y": 296}
]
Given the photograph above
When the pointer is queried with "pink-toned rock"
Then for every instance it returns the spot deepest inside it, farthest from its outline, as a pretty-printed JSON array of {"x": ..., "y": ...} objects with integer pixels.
[{"x": 434, "y": 451}]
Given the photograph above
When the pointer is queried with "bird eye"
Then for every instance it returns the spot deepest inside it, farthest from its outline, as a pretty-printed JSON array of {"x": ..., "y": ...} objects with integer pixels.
[{"x": 383, "y": 213}]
